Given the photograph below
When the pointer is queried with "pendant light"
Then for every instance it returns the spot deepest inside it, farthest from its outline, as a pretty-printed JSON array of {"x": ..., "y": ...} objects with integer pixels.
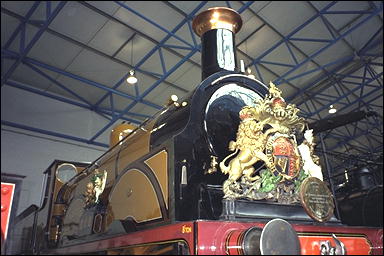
[
  {"x": 332, "y": 109},
  {"x": 132, "y": 78}
]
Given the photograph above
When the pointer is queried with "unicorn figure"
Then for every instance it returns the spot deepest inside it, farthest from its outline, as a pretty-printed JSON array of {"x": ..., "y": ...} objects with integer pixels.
[{"x": 306, "y": 151}]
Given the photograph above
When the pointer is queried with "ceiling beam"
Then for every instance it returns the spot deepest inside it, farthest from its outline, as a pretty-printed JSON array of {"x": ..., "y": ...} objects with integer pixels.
[
  {"x": 50, "y": 133},
  {"x": 25, "y": 50},
  {"x": 155, "y": 49},
  {"x": 79, "y": 78},
  {"x": 344, "y": 34},
  {"x": 98, "y": 110},
  {"x": 140, "y": 33},
  {"x": 89, "y": 48}
]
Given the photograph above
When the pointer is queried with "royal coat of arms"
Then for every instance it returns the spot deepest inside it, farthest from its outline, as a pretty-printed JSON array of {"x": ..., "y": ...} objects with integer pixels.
[
  {"x": 95, "y": 188},
  {"x": 267, "y": 134}
]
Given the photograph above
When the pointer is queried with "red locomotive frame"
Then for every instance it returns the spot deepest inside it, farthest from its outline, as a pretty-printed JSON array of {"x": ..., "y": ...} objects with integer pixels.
[{"x": 210, "y": 238}]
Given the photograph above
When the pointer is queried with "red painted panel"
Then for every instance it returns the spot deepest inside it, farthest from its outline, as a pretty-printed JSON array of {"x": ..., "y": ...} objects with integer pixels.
[
  {"x": 7, "y": 190},
  {"x": 178, "y": 231},
  {"x": 310, "y": 245},
  {"x": 212, "y": 236}
]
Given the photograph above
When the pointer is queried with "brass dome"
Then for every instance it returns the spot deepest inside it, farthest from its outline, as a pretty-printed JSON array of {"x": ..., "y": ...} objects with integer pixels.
[{"x": 215, "y": 18}]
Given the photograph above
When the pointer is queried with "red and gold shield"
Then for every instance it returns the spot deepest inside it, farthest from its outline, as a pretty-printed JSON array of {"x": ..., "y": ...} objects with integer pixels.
[{"x": 282, "y": 153}]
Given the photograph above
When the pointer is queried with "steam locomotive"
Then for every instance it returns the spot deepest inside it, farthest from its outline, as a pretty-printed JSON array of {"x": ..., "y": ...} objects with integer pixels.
[{"x": 158, "y": 190}]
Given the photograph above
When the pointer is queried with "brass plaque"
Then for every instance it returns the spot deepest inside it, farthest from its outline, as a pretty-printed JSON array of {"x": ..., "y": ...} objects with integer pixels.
[{"x": 316, "y": 199}]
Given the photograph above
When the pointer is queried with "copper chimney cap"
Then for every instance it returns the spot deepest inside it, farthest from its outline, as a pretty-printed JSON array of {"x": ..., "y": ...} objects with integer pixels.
[{"x": 215, "y": 18}]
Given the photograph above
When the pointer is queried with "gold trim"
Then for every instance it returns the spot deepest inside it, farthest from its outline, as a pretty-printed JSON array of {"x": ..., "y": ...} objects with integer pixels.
[
  {"x": 147, "y": 244},
  {"x": 67, "y": 250},
  {"x": 154, "y": 243},
  {"x": 97, "y": 220},
  {"x": 58, "y": 209},
  {"x": 330, "y": 234},
  {"x": 54, "y": 233},
  {"x": 217, "y": 18}
]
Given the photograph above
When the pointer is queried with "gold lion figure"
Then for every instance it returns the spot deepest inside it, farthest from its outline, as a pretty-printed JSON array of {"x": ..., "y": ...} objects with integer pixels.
[
  {"x": 90, "y": 195},
  {"x": 249, "y": 146}
]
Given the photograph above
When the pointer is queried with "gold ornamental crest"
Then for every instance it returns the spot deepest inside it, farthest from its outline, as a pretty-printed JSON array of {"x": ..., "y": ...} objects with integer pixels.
[
  {"x": 95, "y": 188},
  {"x": 266, "y": 134}
]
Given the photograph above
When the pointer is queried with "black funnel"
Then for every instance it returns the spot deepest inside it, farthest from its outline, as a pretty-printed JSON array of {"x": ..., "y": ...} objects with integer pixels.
[{"x": 217, "y": 28}]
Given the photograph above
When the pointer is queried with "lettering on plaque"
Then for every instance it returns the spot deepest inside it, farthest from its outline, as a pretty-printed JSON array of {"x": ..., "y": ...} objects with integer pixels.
[{"x": 316, "y": 199}]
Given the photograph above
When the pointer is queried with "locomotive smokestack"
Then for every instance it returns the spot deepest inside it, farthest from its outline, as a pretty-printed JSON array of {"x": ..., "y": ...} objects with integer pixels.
[{"x": 217, "y": 27}]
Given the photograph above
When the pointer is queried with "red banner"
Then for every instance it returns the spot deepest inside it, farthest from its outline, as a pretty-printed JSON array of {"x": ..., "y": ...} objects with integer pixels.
[{"x": 7, "y": 190}]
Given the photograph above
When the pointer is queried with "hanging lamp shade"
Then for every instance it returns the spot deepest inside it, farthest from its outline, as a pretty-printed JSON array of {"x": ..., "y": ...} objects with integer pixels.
[
  {"x": 332, "y": 109},
  {"x": 132, "y": 78}
]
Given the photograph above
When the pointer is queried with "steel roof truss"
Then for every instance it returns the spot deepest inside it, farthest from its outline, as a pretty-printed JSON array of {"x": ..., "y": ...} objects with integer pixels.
[
  {"x": 156, "y": 48},
  {"x": 24, "y": 50},
  {"x": 99, "y": 110}
]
